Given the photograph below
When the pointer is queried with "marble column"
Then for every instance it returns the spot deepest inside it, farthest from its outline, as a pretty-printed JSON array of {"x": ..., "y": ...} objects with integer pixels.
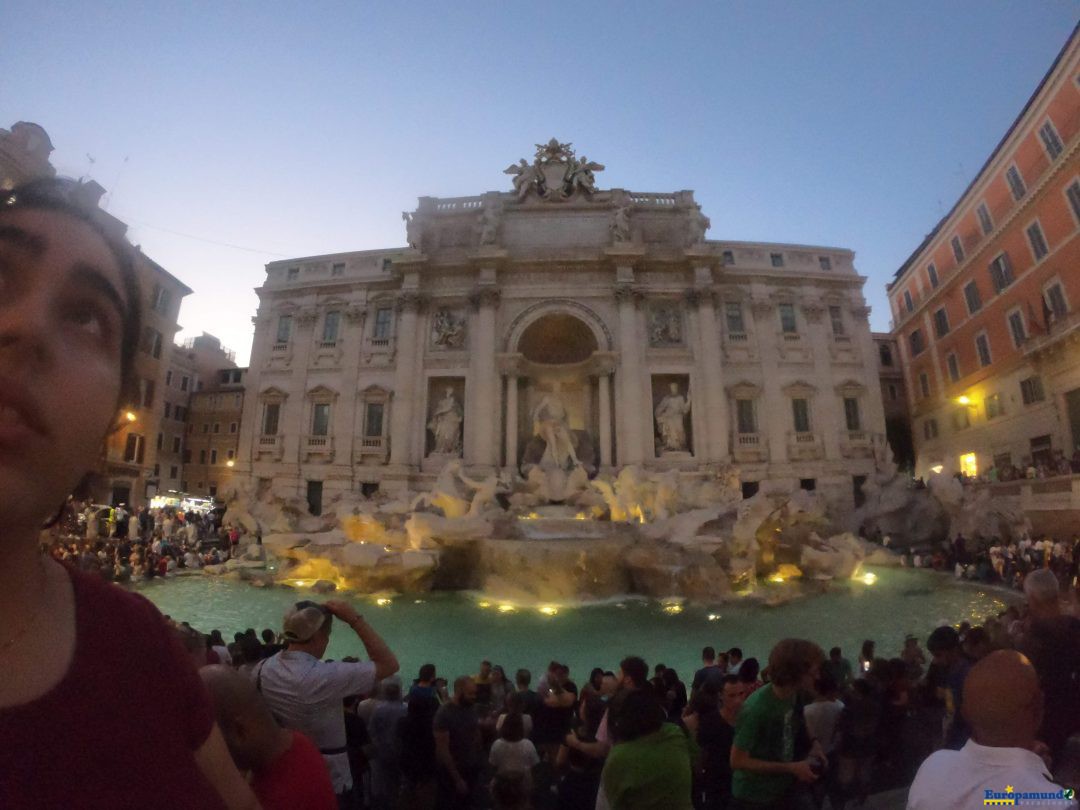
[
  {"x": 511, "y": 421},
  {"x": 405, "y": 393},
  {"x": 774, "y": 405},
  {"x": 483, "y": 406},
  {"x": 630, "y": 401},
  {"x": 604, "y": 381}
]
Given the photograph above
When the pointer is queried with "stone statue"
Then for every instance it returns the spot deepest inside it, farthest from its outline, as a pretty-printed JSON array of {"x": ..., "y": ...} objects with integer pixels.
[
  {"x": 620, "y": 225},
  {"x": 485, "y": 491},
  {"x": 549, "y": 423},
  {"x": 665, "y": 327},
  {"x": 670, "y": 420},
  {"x": 526, "y": 177},
  {"x": 579, "y": 176},
  {"x": 445, "y": 424},
  {"x": 412, "y": 229},
  {"x": 488, "y": 225},
  {"x": 699, "y": 223},
  {"x": 447, "y": 331}
]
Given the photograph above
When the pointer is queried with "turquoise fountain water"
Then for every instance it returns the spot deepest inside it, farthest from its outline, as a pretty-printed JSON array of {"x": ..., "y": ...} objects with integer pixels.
[{"x": 456, "y": 631}]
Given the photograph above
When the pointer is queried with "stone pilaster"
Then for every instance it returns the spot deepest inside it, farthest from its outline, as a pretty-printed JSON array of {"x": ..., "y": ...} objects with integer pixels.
[
  {"x": 774, "y": 407},
  {"x": 482, "y": 426},
  {"x": 713, "y": 404},
  {"x": 402, "y": 452},
  {"x": 631, "y": 426}
]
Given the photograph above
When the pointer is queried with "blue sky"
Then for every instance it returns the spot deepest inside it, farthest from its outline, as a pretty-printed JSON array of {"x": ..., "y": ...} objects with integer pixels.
[{"x": 289, "y": 129}]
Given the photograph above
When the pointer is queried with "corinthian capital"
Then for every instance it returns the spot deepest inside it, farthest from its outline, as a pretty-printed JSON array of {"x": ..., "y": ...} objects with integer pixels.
[
  {"x": 410, "y": 301},
  {"x": 627, "y": 293},
  {"x": 484, "y": 297}
]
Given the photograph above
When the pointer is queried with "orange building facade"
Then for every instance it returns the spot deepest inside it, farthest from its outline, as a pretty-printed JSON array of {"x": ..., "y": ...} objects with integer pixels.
[{"x": 986, "y": 311}]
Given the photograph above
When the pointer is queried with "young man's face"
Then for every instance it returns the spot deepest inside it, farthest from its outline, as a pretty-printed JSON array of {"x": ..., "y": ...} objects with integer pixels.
[{"x": 733, "y": 696}]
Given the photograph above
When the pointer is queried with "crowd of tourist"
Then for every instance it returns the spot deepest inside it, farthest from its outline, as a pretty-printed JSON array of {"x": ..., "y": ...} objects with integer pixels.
[
  {"x": 123, "y": 546},
  {"x": 805, "y": 730}
]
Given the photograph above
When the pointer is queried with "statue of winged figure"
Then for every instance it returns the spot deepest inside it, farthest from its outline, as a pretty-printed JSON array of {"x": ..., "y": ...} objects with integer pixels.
[
  {"x": 579, "y": 176},
  {"x": 526, "y": 177}
]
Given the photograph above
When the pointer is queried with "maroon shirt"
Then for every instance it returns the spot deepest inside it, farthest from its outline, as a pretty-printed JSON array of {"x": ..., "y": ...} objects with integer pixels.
[
  {"x": 297, "y": 780},
  {"x": 121, "y": 728}
]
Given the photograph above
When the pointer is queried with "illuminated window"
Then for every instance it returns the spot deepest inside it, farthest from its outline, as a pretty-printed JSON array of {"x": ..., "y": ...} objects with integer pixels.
[{"x": 969, "y": 465}]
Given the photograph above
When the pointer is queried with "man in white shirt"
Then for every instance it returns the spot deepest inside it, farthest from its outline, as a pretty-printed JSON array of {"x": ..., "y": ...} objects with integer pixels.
[
  {"x": 1004, "y": 705},
  {"x": 306, "y": 693}
]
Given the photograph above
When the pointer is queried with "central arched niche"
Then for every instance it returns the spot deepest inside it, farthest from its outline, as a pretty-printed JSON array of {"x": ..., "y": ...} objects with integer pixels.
[{"x": 557, "y": 339}]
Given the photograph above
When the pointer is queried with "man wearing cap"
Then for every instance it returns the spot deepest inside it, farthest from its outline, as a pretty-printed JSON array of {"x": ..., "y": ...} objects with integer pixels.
[{"x": 306, "y": 693}]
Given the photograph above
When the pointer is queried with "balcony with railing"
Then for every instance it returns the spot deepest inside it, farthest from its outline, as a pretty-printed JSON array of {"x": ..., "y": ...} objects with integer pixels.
[
  {"x": 1057, "y": 330},
  {"x": 319, "y": 446},
  {"x": 750, "y": 447},
  {"x": 271, "y": 445},
  {"x": 373, "y": 448},
  {"x": 856, "y": 444},
  {"x": 804, "y": 445}
]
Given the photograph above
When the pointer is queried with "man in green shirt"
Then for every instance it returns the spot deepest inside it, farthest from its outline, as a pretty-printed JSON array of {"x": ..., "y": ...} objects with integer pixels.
[
  {"x": 650, "y": 768},
  {"x": 765, "y": 771}
]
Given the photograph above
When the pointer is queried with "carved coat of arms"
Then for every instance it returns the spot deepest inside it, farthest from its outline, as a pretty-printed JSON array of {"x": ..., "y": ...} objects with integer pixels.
[{"x": 556, "y": 173}]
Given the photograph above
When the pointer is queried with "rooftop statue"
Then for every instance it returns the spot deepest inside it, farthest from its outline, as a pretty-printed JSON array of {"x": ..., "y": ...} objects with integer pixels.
[
  {"x": 540, "y": 176},
  {"x": 699, "y": 224}
]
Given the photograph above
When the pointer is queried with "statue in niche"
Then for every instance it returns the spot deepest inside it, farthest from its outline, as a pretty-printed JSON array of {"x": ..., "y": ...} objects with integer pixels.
[
  {"x": 620, "y": 225},
  {"x": 412, "y": 229},
  {"x": 665, "y": 327},
  {"x": 488, "y": 225},
  {"x": 447, "y": 331},
  {"x": 549, "y": 423},
  {"x": 671, "y": 420},
  {"x": 445, "y": 425},
  {"x": 699, "y": 223}
]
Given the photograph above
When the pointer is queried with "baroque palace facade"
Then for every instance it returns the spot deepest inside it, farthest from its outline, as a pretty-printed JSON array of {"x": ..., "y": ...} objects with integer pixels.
[{"x": 561, "y": 324}]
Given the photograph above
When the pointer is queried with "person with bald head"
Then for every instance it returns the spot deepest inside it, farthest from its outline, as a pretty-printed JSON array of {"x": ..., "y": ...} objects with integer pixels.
[
  {"x": 287, "y": 770},
  {"x": 1003, "y": 705}
]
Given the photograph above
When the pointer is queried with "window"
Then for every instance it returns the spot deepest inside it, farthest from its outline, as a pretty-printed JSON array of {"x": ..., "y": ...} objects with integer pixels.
[
  {"x": 957, "y": 249},
  {"x": 924, "y": 384},
  {"x": 892, "y": 392},
  {"x": 232, "y": 427},
  {"x": 373, "y": 420},
  {"x": 931, "y": 273},
  {"x": 941, "y": 322},
  {"x": 885, "y": 353},
  {"x": 972, "y": 297},
  {"x": 160, "y": 299},
  {"x": 954, "y": 366},
  {"x": 180, "y": 413},
  {"x": 1037, "y": 241},
  {"x": 292, "y": 274},
  {"x": 808, "y": 484},
  {"x": 824, "y": 262},
  {"x": 728, "y": 257},
  {"x": 1073, "y": 193},
  {"x": 320, "y": 419},
  {"x": 337, "y": 269},
  {"x": 787, "y": 318},
  {"x": 961, "y": 419},
  {"x": 202, "y": 456},
  {"x": 1055, "y": 300},
  {"x": 176, "y": 444},
  {"x": 387, "y": 264},
  {"x": 213, "y": 456},
  {"x": 744, "y": 412},
  {"x": 1031, "y": 390},
  {"x": 146, "y": 393},
  {"x": 160, "y": 440},
  {"x": 382, "y": 323},
  {"x": 168, "y": 410},
  {"x": 851, "y": 413},
  {"x": 800, "y": 411},
  {"x": 982, "y": 348},
  {"x": 733, "y": 315},
  {"x": 314, "y": 497},
  {"x": 270, "y": 419},
  {"x": 217, "y": 427},
  {"x": 151, "y": 342},
  {"x": 133, "y": 448},
  {"x": 1001, "y": 275},
  {"x": 930, "y": 429},
  {"x": 229, "y": 454},
  {"x": 330, "y": 326},
  {"x": 1017, "y": 328},
  {"x": 206, "y": 427},
  {"x": 993, "y": 406},
  {"x": 168, "y": 377},
  {"x": 777, "y": 259},
  {"x": 985, "y": 222},
  {"x": 1016, "y": 183},
  {"x": 916, "y": 342},
  {"x": 909, "y": 305},
  {"x": 284, "y": 328},
  {"x": 1048, "y": 135},
  {"x": 184, "y": 383},
  {"x": 837, "y": 317},
  {"x": 187, "y": 456}
]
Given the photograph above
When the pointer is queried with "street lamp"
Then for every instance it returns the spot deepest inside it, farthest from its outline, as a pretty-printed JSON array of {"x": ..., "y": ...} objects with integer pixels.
[{"x": 130, "y": 416}]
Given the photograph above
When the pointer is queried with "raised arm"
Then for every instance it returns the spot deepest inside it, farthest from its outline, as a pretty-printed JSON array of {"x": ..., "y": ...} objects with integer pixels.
[{"x": 386, "y": 663}]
